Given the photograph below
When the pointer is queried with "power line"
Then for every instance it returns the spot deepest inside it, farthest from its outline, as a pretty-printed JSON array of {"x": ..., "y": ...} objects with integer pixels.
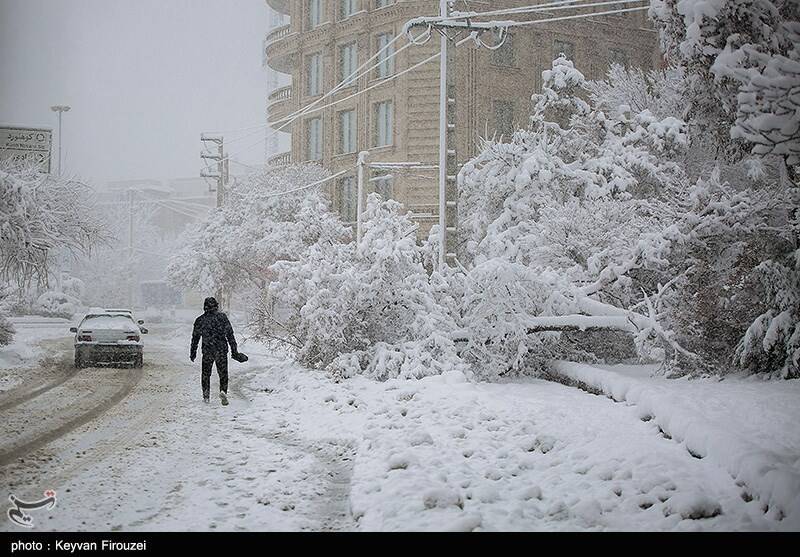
[{"x": 309, "y": 109}]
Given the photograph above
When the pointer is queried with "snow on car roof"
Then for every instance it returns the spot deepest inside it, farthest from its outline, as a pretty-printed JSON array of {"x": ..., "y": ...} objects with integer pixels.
[{"x": 108, "y": 321}]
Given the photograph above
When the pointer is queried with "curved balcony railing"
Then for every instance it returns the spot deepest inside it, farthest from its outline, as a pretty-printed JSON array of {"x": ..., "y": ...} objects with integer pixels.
[
  {"x": 277, "y": 34},
  {"x": 280, "y": 95},
  {"x": 278, "y": 52},
  {"x": 281, "y": 159},
  {"x": 279, "y": 104}
]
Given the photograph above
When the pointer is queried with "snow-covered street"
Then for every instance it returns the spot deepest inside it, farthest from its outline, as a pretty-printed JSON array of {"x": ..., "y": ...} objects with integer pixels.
[{"x": 297, "y": 451}]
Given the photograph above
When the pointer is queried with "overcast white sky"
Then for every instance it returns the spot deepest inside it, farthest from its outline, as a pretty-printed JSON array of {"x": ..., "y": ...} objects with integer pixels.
[{"x": 144, "y": 79}]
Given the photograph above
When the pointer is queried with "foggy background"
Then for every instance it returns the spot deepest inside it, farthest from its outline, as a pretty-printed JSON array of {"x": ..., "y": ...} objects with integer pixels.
[{"x": 143, "y": 78}]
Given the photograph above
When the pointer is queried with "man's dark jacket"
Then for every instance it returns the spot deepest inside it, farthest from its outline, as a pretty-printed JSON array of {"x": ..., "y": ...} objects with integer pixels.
[{"x": 215, "y": 330}]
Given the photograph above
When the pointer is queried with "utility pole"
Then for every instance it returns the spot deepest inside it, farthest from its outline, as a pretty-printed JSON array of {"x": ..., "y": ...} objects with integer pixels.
[
  {"x": 362, "y": 164},
  {"x": 130, "y": 247},
  {"x": 221, "y": 177},
  {"x": 448, "y": 162},
  {"x": 61, "y": 109}
]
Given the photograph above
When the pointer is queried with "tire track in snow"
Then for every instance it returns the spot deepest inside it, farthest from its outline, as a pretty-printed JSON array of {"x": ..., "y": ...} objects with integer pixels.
[
  {"x": 70, "y": 423},
  {"x": 25, "y": 392}
]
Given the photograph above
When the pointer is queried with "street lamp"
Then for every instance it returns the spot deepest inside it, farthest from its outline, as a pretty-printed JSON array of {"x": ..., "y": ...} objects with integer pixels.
[{"x": 60, "y": 108}]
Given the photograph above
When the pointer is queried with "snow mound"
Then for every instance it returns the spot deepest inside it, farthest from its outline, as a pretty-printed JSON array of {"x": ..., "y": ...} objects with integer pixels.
[{"x": 711, "y": 420}]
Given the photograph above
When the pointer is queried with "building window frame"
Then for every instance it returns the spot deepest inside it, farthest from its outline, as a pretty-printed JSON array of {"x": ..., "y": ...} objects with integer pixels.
[
  {"x": 347, "y": 9},
  {"x": 347, "y": 55},
  {"x": 348, "y": 131},
  {"x": 315, "y": 74},
  {"x": 315, "y": 13},
  {"x": 506, "y": 55},
  {"x": 348, "y": 199},
  {"x": 565, "y": 47},
  {"x": 386, "y": 58},
  {"x": 314, "y": 139},
  {"x": 383, "y": 128},
  {"x": 504, "y": 125}
]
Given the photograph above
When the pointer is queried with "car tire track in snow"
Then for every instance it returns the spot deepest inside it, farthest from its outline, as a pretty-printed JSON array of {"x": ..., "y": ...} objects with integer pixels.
[
  {"x": 70, "y": 422},
  {"x": 56, "y": 367},
  {"x": 26, "y": 392}
]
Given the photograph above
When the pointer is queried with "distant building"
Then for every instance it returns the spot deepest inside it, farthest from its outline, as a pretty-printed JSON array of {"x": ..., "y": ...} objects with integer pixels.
[{"x": 324, "y": 41}]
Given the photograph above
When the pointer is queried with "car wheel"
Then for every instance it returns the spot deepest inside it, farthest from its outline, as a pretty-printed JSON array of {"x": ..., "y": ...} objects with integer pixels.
[
  {"x": 79, "y": 363},
  {"x": 139, "y": 363}
]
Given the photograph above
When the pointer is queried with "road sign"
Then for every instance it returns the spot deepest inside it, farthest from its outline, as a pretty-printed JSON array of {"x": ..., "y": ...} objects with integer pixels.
[{"x": 32, "y": 144}]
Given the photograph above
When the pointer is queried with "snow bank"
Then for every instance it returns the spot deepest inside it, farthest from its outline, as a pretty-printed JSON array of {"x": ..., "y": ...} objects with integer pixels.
[{"x": 748, "y": 427}]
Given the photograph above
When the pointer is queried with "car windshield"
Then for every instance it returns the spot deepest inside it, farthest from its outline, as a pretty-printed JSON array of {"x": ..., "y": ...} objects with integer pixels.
[{"x": 108, "y": 322}]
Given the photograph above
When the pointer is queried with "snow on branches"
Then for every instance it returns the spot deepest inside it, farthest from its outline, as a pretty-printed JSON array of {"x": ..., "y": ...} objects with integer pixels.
[
  {"x": 742, "y": 58},
  {"x": 586, "y": 221},
  {"x": 259, "y": 224},
  {"x": 367, "y": 308},
  {"x": 41, "y": 214}
]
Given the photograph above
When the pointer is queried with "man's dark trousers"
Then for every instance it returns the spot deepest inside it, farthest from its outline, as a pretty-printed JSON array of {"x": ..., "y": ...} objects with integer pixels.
[{"x": 209, "y": 359}]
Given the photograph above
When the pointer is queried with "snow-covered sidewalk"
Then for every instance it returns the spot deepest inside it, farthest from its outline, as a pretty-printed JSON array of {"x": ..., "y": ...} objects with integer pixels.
[
  {"x": 747, "y": 426},
  {"x": 445, "y": 454}
]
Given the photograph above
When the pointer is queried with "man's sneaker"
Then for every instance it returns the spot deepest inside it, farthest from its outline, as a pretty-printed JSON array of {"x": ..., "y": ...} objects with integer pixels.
[
  {"x": 224, "y": 398},
  {"x": 205, "y": 398}
]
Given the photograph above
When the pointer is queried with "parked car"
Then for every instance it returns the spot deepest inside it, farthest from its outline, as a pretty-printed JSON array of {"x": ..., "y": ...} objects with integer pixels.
[
  {"x": 125, "y": 311},
  {"x": 108, "y": 338}
]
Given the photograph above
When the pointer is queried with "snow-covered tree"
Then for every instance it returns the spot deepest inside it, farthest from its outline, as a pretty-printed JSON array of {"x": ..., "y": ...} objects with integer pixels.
[
  {"x": 258, "y": 225},
  {"x": 556, "y": 220},
  {"x": 742, "y": 63},
  {"x": 41, "y": 214},
  {"x": 370, "y": 307}
]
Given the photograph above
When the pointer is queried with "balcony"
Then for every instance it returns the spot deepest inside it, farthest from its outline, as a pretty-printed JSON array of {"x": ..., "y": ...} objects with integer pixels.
[
  {"x": 281, "y": 159},
  {"x": 279, "y": 49},
  {"x": 280, "y": 6},
  {"x": 279, "y": 104}
]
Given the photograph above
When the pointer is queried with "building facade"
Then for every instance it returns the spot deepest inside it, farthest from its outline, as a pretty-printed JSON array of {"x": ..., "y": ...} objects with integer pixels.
[{"x": 321, "y": 42}]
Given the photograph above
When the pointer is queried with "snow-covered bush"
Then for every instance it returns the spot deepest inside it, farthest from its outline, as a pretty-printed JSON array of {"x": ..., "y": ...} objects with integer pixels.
[
  {"x": 56, "y": 304},
  {"x": 368, "y": 308}
]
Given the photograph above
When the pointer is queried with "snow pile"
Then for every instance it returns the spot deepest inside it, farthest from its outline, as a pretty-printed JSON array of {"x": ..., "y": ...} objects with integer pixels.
[
  {"x": 746, "y": 427},
  {"x": 56, "y": 304}
]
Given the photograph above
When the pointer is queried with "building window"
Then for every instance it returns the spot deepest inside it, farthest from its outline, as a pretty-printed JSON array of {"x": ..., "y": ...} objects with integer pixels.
[
  {"x": 504, "y": 118},
  {"x": 314, "y": 75},
  {"x": 314, "y": 139},
  {"x": 564, "y": 47},
  {"x": 347, "y": 8},
  {"x": 383, "y": 3},
  {"x": 314, "y": 13},
  {"x": 347, "y": 132},
  {"x": 384, "y": 124},
  {"x": 385, "y": 48},
  {"x": 505, "y": 56},
  {"x": 617, "y": 56},
  {"x": 348, "y": 199},
  {"x": 384, "y": 185},
  {"x": 348, "y": 63}
]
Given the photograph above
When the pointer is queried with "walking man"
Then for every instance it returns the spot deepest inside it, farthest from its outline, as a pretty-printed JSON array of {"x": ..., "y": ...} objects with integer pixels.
[{"x": 217, "y": 333}]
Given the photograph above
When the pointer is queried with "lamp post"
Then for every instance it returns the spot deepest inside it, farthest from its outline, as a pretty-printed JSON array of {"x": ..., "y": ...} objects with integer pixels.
[{"x": 60, "y": 108}]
